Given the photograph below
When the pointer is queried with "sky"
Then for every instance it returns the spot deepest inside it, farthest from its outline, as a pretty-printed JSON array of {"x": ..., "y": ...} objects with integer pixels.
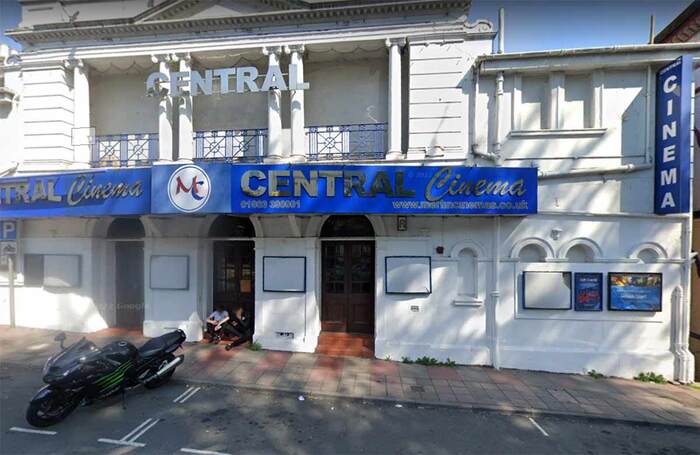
[{"x": 533, "y": 25}]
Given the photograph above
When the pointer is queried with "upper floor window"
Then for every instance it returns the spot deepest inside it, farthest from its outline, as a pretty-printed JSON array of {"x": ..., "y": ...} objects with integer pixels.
[{"x": 557, "y": 102}]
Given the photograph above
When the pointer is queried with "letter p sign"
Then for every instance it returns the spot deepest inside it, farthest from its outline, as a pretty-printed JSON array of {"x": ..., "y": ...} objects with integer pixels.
[{"x": 8, "y": 230}]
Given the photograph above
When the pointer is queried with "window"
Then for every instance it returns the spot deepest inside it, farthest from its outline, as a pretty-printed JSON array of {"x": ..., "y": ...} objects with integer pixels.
[
  {"x": 533, "y": 107},
  {"x": 53, "y": 271},
  {"x": 466, "y": 268}
]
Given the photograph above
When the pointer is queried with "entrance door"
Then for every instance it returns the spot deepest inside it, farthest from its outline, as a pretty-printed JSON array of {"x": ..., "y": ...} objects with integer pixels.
[
  {"x": 129, "y": 284},
  {"x": 348, "y": 286},
  {"x": 234, "y": 276}
]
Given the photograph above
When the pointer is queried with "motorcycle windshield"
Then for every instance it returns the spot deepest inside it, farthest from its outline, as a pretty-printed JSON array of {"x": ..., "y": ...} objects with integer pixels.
[{"x": 73, "y": 353}]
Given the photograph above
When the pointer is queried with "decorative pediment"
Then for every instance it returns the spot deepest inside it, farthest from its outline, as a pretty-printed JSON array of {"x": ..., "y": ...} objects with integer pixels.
[{"x": 205, "y": 9}]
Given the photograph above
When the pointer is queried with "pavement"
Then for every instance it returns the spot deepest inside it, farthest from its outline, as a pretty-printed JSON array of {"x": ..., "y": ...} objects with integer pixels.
[
  {"x": 191, "y": 418},
  {"x": 470, "y": 387}
]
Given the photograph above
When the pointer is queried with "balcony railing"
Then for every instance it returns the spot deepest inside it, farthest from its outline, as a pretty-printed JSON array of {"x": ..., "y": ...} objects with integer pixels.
[
  {"x": 230, "y": 145},
  {"x": 347, "y": 142},
  {"x": 124, "y": 150}
]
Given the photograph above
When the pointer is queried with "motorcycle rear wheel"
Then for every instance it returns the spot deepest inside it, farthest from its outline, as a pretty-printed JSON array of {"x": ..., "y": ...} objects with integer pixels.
[
  {"x": 163, "y": 379},
  {"x": 49, "y": 412}
]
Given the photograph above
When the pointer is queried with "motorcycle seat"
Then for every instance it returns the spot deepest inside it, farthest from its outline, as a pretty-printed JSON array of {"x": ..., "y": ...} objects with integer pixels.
[{"x": 157, "y": 345}]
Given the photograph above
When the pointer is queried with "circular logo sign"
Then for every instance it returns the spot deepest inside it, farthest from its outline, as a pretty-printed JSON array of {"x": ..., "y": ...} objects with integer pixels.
[{"x": 189, "y": 188}]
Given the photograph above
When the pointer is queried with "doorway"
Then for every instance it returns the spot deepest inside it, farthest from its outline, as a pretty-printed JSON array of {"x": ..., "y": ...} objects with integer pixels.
[
  {"x": 348, "y": 286},
  {"x": 129, "y": 284},
  {"x": 234, "y": 276},
  {"x": 347, "y": 275}
]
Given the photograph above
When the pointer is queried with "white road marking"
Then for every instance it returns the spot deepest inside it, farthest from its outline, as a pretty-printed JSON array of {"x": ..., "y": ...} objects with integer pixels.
[
  {"x": 189, "y": 395},
  {"x": 182, "y": 394},
  {"x": 29, "y": 430},
  {"x": 146, "y": 422},
  {"x": 140, "y": 433},
  {"x": 133, "y": 435},
  {"x": 202, "y": 452},
  {"x": 121, "y": 443},
  {"x": 538, "y": 427}
]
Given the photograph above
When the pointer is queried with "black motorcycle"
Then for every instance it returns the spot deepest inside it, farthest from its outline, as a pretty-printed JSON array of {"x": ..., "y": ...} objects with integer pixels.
[{"x": 83, "y": 373}]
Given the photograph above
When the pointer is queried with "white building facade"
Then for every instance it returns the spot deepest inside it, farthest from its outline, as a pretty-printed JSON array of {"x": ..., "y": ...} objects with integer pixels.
[{"x": 374, "y": 100}]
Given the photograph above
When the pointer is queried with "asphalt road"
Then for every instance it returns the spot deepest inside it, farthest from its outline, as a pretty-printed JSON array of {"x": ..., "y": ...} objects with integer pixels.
[{"x": 203, "y": 419}]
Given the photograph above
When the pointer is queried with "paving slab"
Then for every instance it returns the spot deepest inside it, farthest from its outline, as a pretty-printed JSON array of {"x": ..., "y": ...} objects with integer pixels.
[{"x": 528, "y": 392}]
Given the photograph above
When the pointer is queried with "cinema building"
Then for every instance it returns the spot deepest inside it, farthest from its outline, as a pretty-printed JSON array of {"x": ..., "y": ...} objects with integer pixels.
[{"x": 365, "y": 178}]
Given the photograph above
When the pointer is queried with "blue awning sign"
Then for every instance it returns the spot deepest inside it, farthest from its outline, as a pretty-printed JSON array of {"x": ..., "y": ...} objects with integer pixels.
[{"x": 273, "y": 189}]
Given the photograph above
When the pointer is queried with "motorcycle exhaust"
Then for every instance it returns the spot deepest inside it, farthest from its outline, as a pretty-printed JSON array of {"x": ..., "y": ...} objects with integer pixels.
[{"x": 167, "y": 367}]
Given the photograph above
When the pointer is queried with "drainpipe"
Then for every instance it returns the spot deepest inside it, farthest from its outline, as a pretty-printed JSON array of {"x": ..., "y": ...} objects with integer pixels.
[
  {"x": 647, "y": 118},
  {"x": 624, "y": 169},
  {"x": 501, "y": 30},
  {"x": 497, "y": 117},
  {"x": 496, "y": 292}
]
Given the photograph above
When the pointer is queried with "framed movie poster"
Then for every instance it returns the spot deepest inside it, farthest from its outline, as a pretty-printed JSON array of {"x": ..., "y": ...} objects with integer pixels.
[
  {"x": 634, "y": 291},
  {"x": 588, "y": 292}
]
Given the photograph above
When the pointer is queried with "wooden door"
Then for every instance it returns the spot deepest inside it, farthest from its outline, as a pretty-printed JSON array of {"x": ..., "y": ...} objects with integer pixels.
[
  {"x": 129, "y": 284},
  {"x": 234, "y": 276},
  {"x": 347, "y": 286}
]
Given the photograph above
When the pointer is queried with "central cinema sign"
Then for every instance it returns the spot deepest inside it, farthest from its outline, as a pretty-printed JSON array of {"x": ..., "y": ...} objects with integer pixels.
[{"x": 229, "y": 80}]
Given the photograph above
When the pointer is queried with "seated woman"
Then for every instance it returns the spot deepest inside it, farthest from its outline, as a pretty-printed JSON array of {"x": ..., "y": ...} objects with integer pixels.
[
  {"x": 217, "y": 324},
  {"x": 239, "y": 325}
]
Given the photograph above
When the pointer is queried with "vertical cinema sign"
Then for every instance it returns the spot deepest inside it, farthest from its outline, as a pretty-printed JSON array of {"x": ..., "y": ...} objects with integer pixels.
[{"x": 672, "y": 170}]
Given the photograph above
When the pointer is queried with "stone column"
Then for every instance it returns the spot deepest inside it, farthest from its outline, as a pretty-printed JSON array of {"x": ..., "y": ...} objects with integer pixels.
[
  {"x": 165, "y": 113},
  {"x": 299, "y": 151},
  {"x": 394, "y": 112},
  {"x": 274, "y": 114},
  {"x": 186, "y": 146},
  {"x": 81, "y": 112}
]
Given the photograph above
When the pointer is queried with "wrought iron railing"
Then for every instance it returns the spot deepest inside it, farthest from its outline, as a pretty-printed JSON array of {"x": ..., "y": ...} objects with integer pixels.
[
  {"x": 119, "y": 150},
  {"x": 347, "y": 142},
  {"x": 230, "y": 145}
]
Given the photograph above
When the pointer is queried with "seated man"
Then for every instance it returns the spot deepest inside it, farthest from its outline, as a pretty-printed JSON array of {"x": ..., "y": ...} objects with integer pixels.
[
  {"x": 215, "y": 323},
  {"x": 239, "y": 325}
]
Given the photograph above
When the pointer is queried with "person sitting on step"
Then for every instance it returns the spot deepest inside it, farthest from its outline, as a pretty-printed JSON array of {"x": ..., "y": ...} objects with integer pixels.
[
  {"x": 217, "y": 323},
  {"x": 239, "y": 325}
]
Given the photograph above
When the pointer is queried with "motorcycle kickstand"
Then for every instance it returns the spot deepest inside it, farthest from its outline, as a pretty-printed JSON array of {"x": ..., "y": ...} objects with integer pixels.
[{"x": 123, "y": 398}]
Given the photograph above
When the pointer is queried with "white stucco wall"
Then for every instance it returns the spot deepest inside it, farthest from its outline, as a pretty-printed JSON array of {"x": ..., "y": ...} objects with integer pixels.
[{"x": 119, "y": 105}]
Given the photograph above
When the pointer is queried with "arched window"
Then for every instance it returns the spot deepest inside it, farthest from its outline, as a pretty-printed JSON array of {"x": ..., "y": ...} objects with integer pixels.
[
  {"x": 580, "y": 253},
  {"x": 648, "y": 256},
  {"x": 231, "y": 226},
  {"x": 467, "y": 271},
  {"x": 126, "y": 228},
  {"x": 347, "y": 226},
  {"x": 532, "y": 253}
]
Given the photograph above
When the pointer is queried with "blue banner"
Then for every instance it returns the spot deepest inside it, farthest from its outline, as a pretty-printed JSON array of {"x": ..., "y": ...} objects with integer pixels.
[
  {"x": 672, "y": 170},
  {"x": 284, "y": 189},
  {"x": 383, "y": 189},
  {"x": 90, "y": 193}
]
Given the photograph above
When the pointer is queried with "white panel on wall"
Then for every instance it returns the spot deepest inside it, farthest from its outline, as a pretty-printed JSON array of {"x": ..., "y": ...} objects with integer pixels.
[
  {"x": 170, "y": 272},
  {"x": 577, "y": 103},
  {"x": 62, "y": 271},
  {"x": 408, "y": 275},
  {"x": 533, "y": 107},
  {"x": 284, "y": 274},
  {"x": 547, "y": 290}
]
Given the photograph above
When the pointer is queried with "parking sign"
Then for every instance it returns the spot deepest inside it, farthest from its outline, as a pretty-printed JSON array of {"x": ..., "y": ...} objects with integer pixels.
[{"x": 8, "y": 231}]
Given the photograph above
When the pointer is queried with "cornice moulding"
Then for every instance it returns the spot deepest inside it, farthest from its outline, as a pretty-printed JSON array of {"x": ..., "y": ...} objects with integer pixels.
[
  {"x": 128, "y": 27},
  {"x": 194, "y": 45}
]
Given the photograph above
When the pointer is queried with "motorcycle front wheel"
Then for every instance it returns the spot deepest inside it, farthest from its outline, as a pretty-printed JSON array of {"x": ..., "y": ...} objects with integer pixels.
[{"x": 51, "y": 410}]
